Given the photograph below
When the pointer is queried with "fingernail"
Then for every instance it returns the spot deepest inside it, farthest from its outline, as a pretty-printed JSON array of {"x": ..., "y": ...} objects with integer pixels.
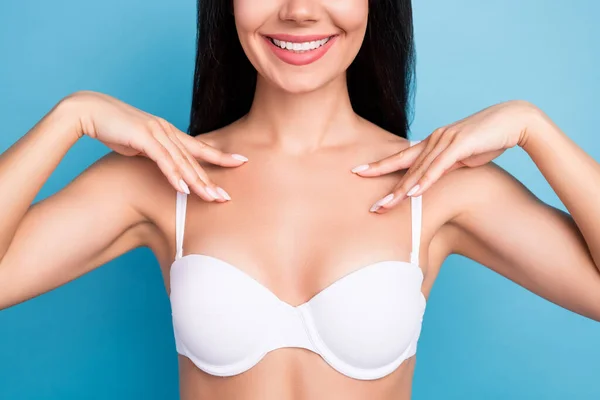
[
  {"x": 239, "y": 157},
  {"x": 360, "y": 168},
  {"x": 212, "y": 192},
  {"x": 413, "y": 190},
  {"x": 381, "y": 202},
  {"x": 223, "y": 193},
  {"x": 184, "y": 186}
]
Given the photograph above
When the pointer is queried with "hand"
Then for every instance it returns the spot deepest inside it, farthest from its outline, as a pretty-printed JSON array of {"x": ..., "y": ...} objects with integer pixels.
[
  {"x": 131, "y": 132},
  {"x": 470, "y": 142}
]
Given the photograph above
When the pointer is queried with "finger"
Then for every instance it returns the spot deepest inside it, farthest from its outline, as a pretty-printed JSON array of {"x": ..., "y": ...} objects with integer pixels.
[
  {"x": 196, "y": 178},
  {"x": 444, "y": 163},
  {"x": 204, "y": 151},
  {"x": 185, "y": 169},
  {"x": 434, "y": 140},
  {"x": 407, "y": 185},
  {"x": 200, "y": 179},
  {"x": 395, "y": 162},
  {"x": 152, "y": 149}
]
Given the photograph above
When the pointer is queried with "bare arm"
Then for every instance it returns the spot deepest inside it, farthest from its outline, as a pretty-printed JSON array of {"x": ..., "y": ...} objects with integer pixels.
[
  {"x": 84, "y": 225},
  {"x": 97, "y": 216},
  {"x": 500, "y": 223},
  {"x": 26, "y": 166},
  {"x": 503, "y": 226}
]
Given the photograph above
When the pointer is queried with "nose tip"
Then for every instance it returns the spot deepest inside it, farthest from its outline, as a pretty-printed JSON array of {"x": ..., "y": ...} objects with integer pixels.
[{"x": 299, "y": 11}]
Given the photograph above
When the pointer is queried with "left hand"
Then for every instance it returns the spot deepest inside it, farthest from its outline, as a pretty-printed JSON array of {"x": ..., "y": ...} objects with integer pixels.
[{"x": 470, "y": 142}]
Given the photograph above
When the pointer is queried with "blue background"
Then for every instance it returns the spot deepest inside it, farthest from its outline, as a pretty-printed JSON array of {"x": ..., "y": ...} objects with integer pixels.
[{"x": 108, "y": 334}]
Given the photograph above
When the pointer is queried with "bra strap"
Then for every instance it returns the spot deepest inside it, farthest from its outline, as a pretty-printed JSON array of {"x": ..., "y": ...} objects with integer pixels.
[
  {"x": 416, "y": 205},
  {"x": 180, "y": 209}
]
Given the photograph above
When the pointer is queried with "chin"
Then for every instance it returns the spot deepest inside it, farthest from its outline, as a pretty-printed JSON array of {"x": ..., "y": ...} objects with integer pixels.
[
  {"x": 299, "y": 83},
  {"x": 301, "y": 86}
]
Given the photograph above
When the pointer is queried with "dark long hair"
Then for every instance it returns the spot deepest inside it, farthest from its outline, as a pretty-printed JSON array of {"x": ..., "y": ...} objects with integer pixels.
[{"x": 380, "y": 79}]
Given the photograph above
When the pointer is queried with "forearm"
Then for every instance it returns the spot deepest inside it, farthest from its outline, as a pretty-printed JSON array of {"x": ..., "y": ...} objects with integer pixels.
[
  {"x": 573, "y": 174},
  {"x": 27, "y": 164}
]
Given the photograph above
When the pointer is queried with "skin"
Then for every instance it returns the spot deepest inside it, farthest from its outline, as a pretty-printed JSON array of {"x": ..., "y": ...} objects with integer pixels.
[{"x": 298, "y": 192}]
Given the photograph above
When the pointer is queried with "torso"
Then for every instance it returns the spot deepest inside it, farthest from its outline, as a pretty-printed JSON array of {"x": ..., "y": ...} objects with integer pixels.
[{"x": 297, "y": 224}]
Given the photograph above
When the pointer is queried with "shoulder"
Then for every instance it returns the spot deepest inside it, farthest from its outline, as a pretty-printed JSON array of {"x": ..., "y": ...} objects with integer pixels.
[
  {"x": 134, "y": 177},
  {"x": 471, "y": 189},
  {"x": 377, "y": 139},
  {"x": 468, "y": 200},
  {"x": 139, "y": 184}
]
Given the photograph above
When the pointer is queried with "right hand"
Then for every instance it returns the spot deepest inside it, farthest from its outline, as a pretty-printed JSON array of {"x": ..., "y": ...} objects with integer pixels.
[{"x": 131, "y": 132}]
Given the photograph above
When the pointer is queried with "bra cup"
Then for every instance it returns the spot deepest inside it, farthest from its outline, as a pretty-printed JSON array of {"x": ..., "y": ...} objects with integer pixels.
[
  {"x": 371, "y": 318},
  {"x": 211, "y": 306},
  {"x": 364, "y": 324}
]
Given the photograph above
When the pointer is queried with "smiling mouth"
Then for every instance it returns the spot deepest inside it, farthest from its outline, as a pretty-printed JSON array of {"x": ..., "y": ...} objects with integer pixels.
[{"x": 300, "y": 47}]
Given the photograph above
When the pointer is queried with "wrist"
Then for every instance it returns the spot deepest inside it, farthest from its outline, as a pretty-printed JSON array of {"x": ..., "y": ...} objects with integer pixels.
[
  {"x": 68, "y": 114},
  {"x": 535, "y": 122},
  {"x": 543, "y": 135}
]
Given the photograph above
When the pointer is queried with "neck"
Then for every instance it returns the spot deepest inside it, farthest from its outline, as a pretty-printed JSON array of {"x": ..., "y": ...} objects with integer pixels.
[{"x": 302, "y": 123}]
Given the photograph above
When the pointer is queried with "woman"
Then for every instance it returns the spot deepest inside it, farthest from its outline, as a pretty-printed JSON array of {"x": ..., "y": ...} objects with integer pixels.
[{"x": 308, "y": 276}]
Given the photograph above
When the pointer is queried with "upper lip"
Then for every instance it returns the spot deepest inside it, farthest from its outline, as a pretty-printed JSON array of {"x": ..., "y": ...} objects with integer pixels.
[{"x": 297, "y": 38}]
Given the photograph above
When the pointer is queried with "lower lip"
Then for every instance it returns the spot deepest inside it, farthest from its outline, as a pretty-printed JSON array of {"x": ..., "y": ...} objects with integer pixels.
[{"x": 303, "y": 58}]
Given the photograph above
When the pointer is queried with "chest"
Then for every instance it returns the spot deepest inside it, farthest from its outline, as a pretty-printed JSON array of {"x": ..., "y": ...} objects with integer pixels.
[
  {"x": 296, "y": 260},
  {"x": 297, "y": 229}
]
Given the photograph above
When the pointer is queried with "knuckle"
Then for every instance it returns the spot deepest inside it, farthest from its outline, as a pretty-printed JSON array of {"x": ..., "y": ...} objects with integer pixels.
[
  {"x": 145, "y": 129},
  {"x": 179, "y": 159},
  {"x": 437, "y": 133},
  {"x": 136, "y": 142},
  {"x": 416, "y": 174},
  {"x": 375, "y": 165},
  {"x": 196, "y": 181},
  {"x": 448, "y": 137},
  {"x": 415, "y": 168},
  {"x": 175, "y": 138},
  {"x": 193, "y": 162},
  {"x": 460, "y": 135},
  {"x": 453, "y": 131},
  {"x": 397, "y": 191},
  {"x": 163, "y": 153},
  {"x": 171, "y": 168},
  {"x": 153, "y": 126},
  {"x": 427, "y": 177},
  {"x": 404, "y": 187},
  {"x": 165, "y": 159},
  {"x": 165, "y": 125}
]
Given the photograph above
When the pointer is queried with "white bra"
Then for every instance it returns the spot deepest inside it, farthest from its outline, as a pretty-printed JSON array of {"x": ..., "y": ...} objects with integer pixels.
[{"x": 364, "y": 325}]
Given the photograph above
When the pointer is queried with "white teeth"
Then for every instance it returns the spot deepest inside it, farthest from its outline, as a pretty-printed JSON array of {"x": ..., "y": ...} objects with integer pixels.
[{"x": 300, "y": 47}]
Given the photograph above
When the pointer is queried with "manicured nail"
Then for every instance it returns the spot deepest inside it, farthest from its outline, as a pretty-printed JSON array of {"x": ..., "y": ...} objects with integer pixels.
[
  {"x": 239, "y": 157},
  {"x": 212, "y": 192},
  {"x": 223, "y": 193},
  {"x": 184, "y": 186},
  {"x": 413, "y": 190},
  {"x": 381, "y": 202},
  {"x": 360, "y": 168}
]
